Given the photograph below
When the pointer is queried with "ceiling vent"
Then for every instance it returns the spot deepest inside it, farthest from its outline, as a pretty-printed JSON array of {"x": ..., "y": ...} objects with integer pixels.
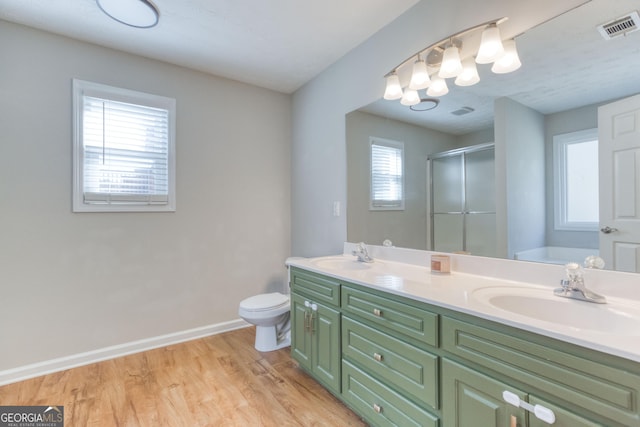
[
  {"x": 621, "y": 26},
  {"x": 462, "y": 111}
]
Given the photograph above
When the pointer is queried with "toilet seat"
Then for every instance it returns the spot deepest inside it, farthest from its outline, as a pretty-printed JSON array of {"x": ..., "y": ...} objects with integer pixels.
[{"x": 265, "y": 302}]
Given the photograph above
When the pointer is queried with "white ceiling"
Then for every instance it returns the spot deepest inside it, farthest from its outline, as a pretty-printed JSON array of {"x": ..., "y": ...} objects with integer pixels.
[
  {"x": 276, "y": 44},
  {"x": 566, "y": 64}
]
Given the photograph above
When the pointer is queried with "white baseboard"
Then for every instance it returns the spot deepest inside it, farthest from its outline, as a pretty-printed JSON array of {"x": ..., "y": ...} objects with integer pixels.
[{"x": 54, "y": 365}]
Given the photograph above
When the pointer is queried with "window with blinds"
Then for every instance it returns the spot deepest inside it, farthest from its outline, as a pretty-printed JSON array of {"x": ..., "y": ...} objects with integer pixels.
[
  {"x": 123, "y": 150},
  {"x": 387, "y": 174}
]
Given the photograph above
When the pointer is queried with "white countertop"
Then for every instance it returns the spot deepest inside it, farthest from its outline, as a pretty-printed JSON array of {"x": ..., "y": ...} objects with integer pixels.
[{"x": 612, "y": 328}]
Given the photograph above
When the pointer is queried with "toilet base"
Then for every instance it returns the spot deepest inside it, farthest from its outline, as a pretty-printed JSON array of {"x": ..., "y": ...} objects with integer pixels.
[{"x": 267, "y": 339}]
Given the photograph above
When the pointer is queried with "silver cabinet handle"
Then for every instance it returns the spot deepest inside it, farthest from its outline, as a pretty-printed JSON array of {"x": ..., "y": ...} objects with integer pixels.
[{"x": 607, "y": 230}]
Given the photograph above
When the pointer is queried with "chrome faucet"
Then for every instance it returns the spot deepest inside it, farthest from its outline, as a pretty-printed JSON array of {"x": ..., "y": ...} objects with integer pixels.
[
  {"x": 573, "y": 286},
  {"x": 362, "y": 253}
]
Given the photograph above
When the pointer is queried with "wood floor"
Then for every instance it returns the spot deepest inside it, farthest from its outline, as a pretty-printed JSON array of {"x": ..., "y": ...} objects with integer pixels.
[{"x": 215, "y": 381}]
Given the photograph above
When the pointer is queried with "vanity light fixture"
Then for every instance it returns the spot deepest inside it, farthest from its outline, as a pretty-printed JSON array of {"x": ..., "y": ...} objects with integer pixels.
[
  {"x": 410, "y": 97},
  {"x": 438, "y": 87},
  {"x": 420, "y": 75},
  {"x": 393, "y": 90},
  {"x": 490, "y": 45},
  {"x": 134, "y": 13},
  {"x": 469, "y": 75},
  {"x": 451, "y": 65},
  {"x": 509, "y": 61},
  {"x": 451, "y": 58}
]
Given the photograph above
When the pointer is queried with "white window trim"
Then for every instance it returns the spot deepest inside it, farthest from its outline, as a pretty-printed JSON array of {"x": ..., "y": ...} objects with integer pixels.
[
  {"x": 560, "y": 143},
  {"x": 82, "y": 88},
  {"x": 394, "y": 144}
]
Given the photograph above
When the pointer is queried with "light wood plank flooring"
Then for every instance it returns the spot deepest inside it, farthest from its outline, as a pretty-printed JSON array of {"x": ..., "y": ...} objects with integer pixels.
[{"x": 214, "y": 381}]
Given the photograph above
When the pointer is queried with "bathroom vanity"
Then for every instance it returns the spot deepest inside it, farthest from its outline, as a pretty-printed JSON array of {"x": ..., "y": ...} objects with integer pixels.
[{"x": 402, "y": 346}]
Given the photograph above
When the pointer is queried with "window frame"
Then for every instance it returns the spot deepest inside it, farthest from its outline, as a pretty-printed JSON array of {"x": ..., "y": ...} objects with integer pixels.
[
  {"x": 81, "y": 88},
  {"x": 560, "y": 144},
  {"x": 400, "y": 205}
]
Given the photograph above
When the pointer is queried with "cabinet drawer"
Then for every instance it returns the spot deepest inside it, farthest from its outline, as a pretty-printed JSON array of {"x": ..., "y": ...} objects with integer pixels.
[
  {"x": 378, "y": 404},
  {"x": 550, "y": 367},
  {"x": 405, "y": 367},
  {"x": 317, "y": 287},
  {"x": 393, "y": 313}
]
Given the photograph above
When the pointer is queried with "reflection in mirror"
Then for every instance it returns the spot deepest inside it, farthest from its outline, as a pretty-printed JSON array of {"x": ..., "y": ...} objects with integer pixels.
[{"x": 569, "y": 70}]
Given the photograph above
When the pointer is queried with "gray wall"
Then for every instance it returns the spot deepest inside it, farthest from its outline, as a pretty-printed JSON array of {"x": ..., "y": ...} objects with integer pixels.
[
  {"x": 319, "y": 108},
  {"x": 406, "y": 228},
  {"x": 72, "y": 283},
  {"x": 520, "y": 181}
]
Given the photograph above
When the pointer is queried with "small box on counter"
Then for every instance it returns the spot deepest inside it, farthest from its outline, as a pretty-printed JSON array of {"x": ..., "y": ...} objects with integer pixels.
[{"x": 440, "y": 264}]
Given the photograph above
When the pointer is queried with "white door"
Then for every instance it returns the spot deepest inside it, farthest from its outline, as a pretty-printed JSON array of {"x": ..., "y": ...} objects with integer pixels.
[{"x": 619, "y": 146}]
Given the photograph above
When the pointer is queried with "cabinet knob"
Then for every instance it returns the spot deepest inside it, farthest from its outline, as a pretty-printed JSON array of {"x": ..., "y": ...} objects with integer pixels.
[
  {"x": 377, "y": 312},
  {"x": 377, "y": 408},
  {"x": 377, "y": 357}
]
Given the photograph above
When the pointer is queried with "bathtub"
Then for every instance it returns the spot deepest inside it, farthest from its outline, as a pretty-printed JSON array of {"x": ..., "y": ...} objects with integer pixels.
[{"x": 555, "y": 254}]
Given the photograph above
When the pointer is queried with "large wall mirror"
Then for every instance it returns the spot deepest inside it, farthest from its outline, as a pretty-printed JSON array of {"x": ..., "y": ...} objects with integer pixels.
[{"x": 568, "y": 71}]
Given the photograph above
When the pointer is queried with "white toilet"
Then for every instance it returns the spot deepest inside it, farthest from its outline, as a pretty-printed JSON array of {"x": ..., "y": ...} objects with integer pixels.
[{"x": 271, "y": 315}]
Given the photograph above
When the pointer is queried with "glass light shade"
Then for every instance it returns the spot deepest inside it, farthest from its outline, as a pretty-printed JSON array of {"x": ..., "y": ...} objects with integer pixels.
[
  {"x": 509, "y": 61},
  {"x": 469, "y": 75},
  {"x": 438, "y": 87},
  {"x": 393, "y": 89},
  {"x": 490, "y": 45},
  {"x": 451, "y": 65},
  {"x": 420, "y": 76},
  {"x": 135, "y": 13},
  {"x": 410, "y": 97}
]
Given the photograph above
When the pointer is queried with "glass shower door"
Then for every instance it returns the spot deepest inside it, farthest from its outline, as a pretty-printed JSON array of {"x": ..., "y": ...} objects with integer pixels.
[{"x": 462, "y": 208}]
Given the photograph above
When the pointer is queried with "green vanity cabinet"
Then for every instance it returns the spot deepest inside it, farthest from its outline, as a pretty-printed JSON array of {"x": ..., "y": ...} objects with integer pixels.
[
  {"x": 398, "y": 361},
  {"x": 400, "y": 365},
  {"x": 389, "y": 374},
  {"x": 472, "y": 399},
  {"x": 393, "y": 314},
  {"x": 315, "y": 328},
  {"x": 583, "y": 387},
  {"x": 379, "y": 404}
]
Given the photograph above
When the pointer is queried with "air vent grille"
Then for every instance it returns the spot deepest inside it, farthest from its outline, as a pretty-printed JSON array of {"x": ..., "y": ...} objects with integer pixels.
[
  {"x": 621, "y": 26},
  {"x": 462, "y": 111}
]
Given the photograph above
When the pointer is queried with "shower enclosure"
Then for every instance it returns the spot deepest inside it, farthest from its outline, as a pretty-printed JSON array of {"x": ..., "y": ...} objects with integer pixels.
[{"x": 461, "y": 202}]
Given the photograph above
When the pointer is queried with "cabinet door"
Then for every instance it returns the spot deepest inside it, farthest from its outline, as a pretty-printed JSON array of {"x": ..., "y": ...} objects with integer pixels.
[
  {"x": 564, "y": 418},
  {"x": 300, "y": 336},
  {"x": 326, "y": 352},
  {"x": 471, "y": 399}
]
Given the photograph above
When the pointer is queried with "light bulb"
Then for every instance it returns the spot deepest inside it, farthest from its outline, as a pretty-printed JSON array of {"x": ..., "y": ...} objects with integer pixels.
[
  {"x": 393, "y": 89},
  {"x": 490, "y": 45},
  {"x": 438, "y": 87},
  {"x": 469, "y": 75},
  {"x": 410, "y": 97},
  {"x": 509, "y": 61},
  {"x": 420, "y": 76},
  {"x": 451, "y": 65}
]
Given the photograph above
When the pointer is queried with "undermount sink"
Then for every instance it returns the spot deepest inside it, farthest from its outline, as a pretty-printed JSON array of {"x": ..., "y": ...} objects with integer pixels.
[
  {"x": 542, "y": 305},
  {"x": 342, "y": 263}
]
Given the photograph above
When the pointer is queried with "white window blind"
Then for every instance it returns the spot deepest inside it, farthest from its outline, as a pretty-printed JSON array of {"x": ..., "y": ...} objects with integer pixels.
[
  {"x": 387, "y": 174},
  {"x": 124, "y": 150}
]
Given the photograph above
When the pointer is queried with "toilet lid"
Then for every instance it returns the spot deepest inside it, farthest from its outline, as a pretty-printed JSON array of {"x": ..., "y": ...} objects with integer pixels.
[{"x": 264, "y": 302}]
